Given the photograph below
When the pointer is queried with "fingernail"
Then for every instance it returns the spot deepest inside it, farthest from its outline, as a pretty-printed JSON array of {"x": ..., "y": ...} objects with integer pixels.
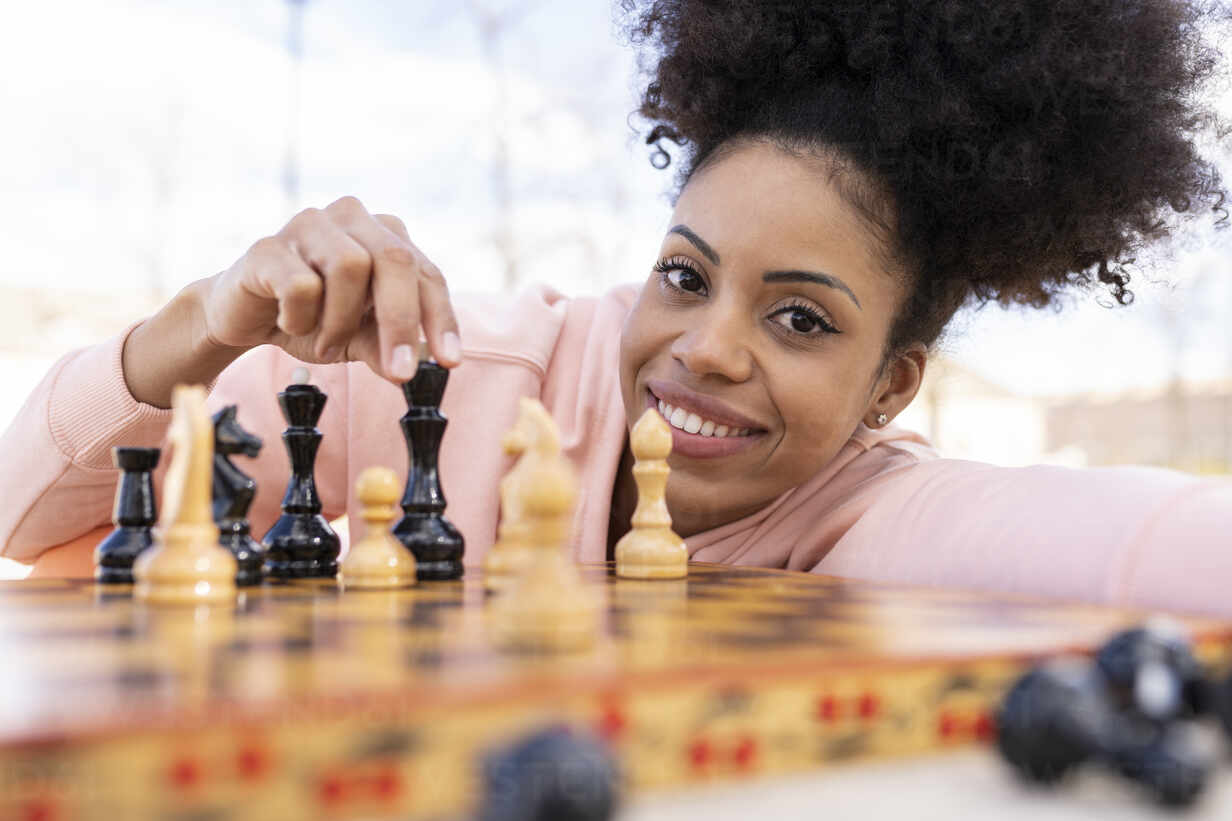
[
  {"x": 332, "y": 354},
  {"x": 402, "y": 363},
  {"x": 451, "y": 347}
]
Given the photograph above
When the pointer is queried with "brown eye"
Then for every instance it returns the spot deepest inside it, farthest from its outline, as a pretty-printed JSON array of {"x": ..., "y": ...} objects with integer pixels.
[
  {"x": 802, "y": 322},
  {"x": 686, "y": 280}
]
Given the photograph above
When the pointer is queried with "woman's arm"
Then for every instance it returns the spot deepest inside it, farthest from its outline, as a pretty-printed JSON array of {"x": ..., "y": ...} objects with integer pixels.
[
  {"x": 334, "y": 285},
  {"x": 1127, "y": 536}
]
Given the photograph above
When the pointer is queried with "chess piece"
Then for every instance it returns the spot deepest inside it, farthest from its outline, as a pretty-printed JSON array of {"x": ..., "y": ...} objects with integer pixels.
[
  {"x": 1059, "y": 715},
  {"x": 1221, "y": 702},
  {"x": 436, "y": 544},
  {"x": 233, "y": 492},
  {"x": 651, "y": 550},
  {"x": 186, "y": 564},
  {"x": 552, "y": 775},
  {"x": 301, "y": 543},
  {"x": 547, "y": 607},
  {"x": 511, "y": 551},
  {"x": 1152, "y": 670},
  {"x": 133, "y": 515},
  {"x": 378, "y": 560}
]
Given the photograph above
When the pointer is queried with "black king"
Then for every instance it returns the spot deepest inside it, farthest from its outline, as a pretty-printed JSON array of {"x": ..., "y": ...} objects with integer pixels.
[{"x": 437, "y": 544}]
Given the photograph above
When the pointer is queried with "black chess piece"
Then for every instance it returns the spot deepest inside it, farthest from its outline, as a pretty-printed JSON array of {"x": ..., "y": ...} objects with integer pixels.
[
  {"x": 553, "y": 775},
  {"x": 301, "y": 543},
  {"x": 1061, "y": 715},
  {"x": 1152, "y": 670},
  {"x": 233, "y": 492},
  {"x": 1221, "y": 703},
  {"x": 1046, "y": 719},
  {"x": 134, "y": 515},
  {"x": 437, "y": 544}
]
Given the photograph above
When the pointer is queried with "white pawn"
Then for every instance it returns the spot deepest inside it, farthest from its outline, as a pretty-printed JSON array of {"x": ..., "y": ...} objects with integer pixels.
[
  {"x": 651, "y": 550},
  {"x": 378, "y": 560}
]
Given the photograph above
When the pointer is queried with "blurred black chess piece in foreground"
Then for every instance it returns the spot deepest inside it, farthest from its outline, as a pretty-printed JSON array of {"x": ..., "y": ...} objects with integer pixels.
[
  {"x": 1133, "y": 709},
  {"x": 1152, "y": 671},
  {"x": 552, "y": 775}
]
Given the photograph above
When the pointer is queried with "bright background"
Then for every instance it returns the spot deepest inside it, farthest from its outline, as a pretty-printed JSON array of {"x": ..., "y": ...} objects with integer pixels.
[{"x": 148, "y": 144}]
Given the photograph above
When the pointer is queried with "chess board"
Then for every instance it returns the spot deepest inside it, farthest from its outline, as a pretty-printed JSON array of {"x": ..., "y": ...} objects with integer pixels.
[{"x": 305, "y": 701}]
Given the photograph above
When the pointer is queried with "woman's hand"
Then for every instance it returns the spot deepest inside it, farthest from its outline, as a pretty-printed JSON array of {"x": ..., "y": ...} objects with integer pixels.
[{"x": 334, "y": 285}]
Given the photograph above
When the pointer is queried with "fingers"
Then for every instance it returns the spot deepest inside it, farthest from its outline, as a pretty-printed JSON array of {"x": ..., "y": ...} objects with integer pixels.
[
  {"x": 279, "y": 274},
  {"x": 345, "y": 284},
  {"x": 345, "y": 267},
  {"x": 395, "y": 297},
  {"x": 439, "y": 322},
  {"x": 407, "y": 290}
]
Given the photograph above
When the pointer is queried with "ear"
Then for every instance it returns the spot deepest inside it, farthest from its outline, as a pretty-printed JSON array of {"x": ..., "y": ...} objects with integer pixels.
[{"x": 897, "y": 386}]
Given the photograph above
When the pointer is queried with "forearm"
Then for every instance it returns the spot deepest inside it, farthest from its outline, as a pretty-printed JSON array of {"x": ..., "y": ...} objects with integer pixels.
[
  {"x": 172, "y": 347},
  {"x": 56, "y": 474}
]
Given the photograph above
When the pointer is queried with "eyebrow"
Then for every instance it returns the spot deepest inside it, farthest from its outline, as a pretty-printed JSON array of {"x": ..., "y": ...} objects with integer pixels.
[
  {"x": 814, "y": 277},
  {"x": 703, "y": 246}
]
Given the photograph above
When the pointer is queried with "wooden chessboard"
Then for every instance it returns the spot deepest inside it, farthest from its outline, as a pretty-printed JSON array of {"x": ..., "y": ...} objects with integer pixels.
[{"x": 307, "y": 702}]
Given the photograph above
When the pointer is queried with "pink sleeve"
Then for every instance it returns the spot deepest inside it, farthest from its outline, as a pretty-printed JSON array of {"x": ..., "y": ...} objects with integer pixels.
[
  {"x": 56, "y": 475},
  {"x": 1140, "y": 537}
]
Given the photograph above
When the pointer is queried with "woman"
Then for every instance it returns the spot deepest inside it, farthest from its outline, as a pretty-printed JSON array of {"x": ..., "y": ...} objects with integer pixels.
[{"x": 852, "y": 174}]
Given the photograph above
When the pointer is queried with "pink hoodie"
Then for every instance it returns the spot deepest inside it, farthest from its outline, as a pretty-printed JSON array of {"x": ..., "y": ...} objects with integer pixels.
[{"x": 886, "y": 508}]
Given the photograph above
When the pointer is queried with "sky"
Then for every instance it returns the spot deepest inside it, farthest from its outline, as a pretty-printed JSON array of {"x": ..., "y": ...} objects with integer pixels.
[{"x": 145, "y": 147}]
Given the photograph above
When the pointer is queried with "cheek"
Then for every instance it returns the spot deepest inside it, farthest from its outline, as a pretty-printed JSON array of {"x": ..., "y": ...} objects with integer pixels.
[
  {"x": 818, "y": 412},
  {"x": 645, "y": 334}
]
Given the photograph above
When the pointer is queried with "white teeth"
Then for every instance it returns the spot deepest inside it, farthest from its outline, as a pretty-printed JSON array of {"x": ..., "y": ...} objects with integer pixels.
[{"x": 692, "y": 423}]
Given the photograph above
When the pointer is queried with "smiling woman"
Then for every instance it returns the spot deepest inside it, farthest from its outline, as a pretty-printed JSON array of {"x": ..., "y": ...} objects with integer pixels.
[
  {"x": 755, "y": 319},
  {"x": 851, "y": 173}
]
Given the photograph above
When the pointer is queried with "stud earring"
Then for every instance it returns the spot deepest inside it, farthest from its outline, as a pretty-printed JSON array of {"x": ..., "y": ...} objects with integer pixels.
[{"x": 882, "y": 419}]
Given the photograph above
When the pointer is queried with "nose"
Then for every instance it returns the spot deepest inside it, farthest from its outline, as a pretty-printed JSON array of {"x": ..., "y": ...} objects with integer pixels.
[{"x": 716, "y": 344}]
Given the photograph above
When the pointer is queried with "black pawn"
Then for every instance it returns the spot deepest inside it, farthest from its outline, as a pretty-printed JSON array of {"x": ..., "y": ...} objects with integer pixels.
[
  {"x": 554, "y": 775},
  {"x": 233, "y": 492},
  {"x": 437, "y": 544},
  {"x": 134, "y": 515},
  {"x": 301, "y": 543}
]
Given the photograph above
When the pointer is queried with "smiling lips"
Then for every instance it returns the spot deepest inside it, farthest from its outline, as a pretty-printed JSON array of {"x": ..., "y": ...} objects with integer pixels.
[
  {"x": 694, "y": 434},
  {"x": 692, "y": 423}
]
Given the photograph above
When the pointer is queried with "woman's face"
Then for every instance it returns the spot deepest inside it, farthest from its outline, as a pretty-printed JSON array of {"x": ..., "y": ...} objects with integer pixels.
[{"x": 759, "y": 334}]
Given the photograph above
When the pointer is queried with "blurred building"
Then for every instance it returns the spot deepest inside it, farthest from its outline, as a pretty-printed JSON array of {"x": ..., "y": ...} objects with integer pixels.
[
  {"x": 1184, "y": 426},
  {"x": 967, "y": 416}
]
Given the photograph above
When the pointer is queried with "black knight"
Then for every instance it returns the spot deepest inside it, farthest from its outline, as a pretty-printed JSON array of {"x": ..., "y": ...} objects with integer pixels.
[{"x": 233, "y": 492}]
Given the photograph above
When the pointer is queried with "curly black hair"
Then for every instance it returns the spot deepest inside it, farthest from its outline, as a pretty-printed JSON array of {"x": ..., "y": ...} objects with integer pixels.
[{"x": 1009, "y": 149}]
